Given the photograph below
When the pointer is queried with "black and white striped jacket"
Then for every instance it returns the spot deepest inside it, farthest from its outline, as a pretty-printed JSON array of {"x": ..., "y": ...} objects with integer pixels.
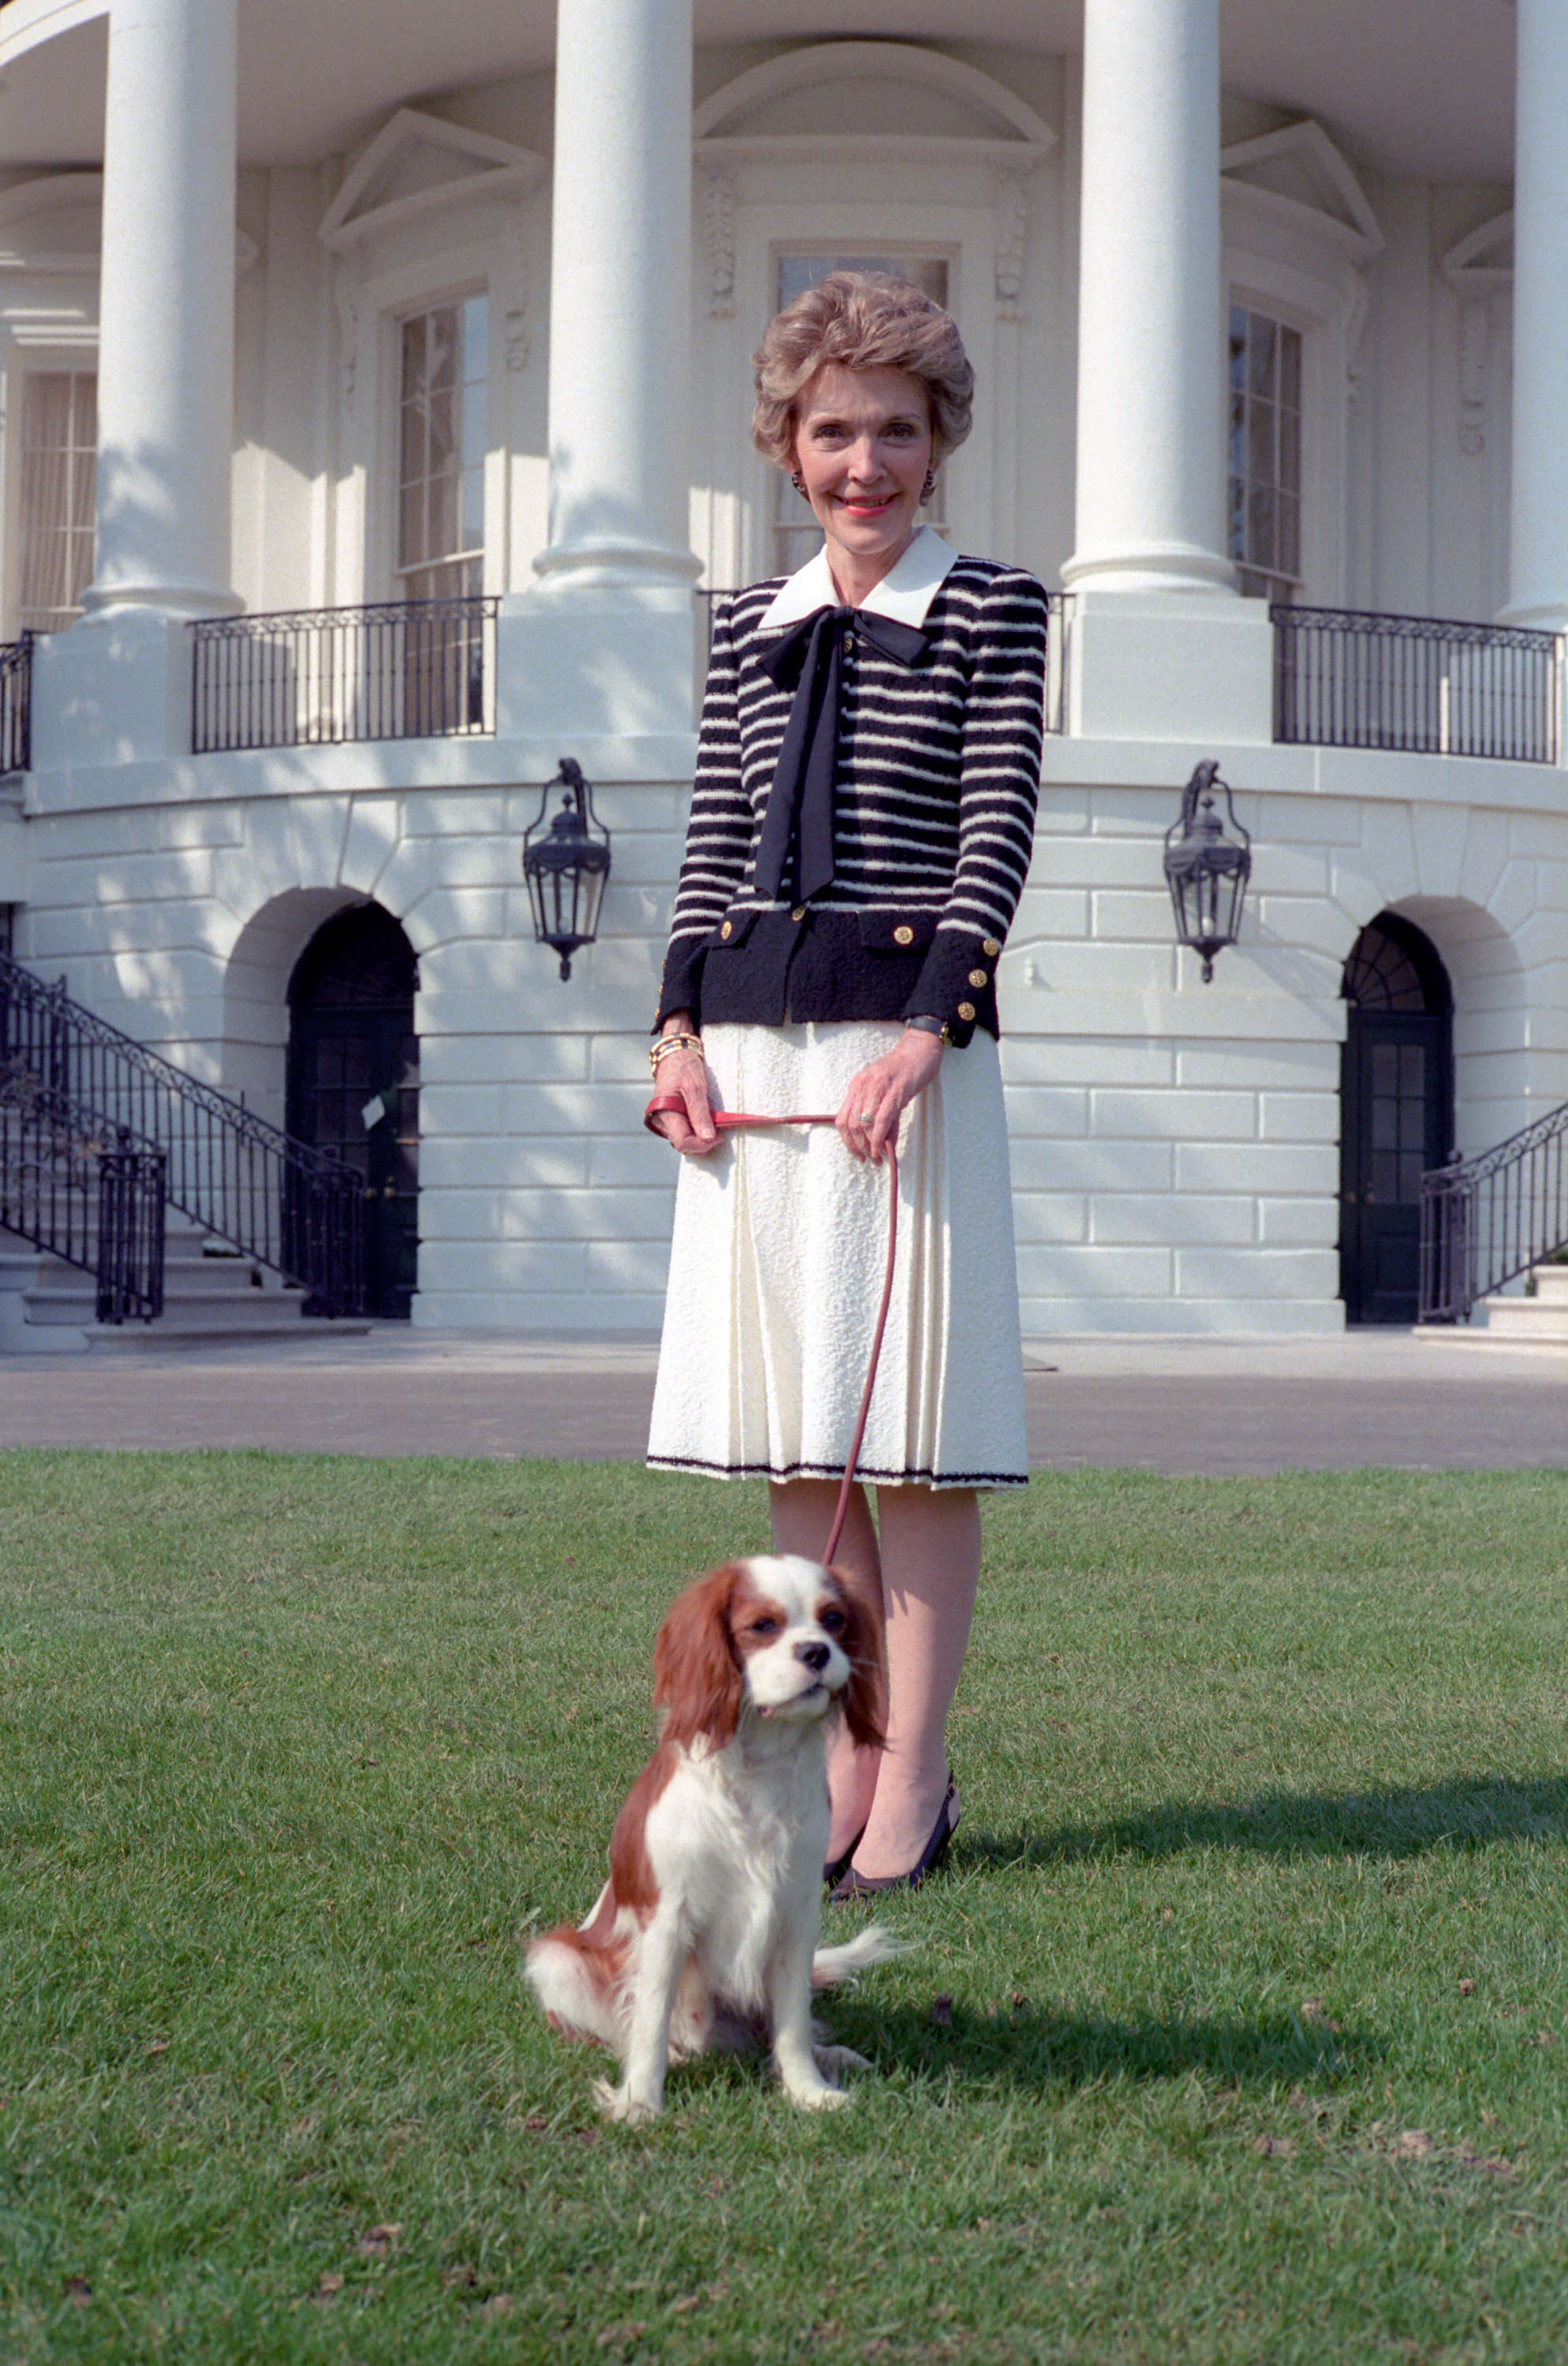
[{"x": 937, "y": 777}]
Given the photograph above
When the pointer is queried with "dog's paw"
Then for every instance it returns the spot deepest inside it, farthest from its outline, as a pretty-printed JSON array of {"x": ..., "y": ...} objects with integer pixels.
[
  {"x": 620, "y": 2104},
  {"x": 818, "y": 2098},
  {"x": 830, "y": 2059}
]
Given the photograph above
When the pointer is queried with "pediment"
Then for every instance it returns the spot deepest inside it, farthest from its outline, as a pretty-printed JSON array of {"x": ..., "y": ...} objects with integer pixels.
[
  {"x": 418, "y": 164},
  {"x": 54, "y": 227},
  {"x": 873, "y": 94},
  {"x": 1299, "y": 172},
  {"x": 1483, "y": 262}
]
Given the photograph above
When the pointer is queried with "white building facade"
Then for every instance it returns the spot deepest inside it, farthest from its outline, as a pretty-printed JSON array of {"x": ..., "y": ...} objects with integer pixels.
[{"x": 316, "y": 324}]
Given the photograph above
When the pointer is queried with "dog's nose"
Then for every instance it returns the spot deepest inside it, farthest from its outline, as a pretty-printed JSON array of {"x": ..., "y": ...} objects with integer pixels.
[{"x": 812, "y": 1655}]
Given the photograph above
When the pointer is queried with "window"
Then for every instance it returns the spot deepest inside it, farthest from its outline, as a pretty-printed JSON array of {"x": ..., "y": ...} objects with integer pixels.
[
  {"x": 1264, "y": 458},
  {"x": 441, "y": 435},
  {"x": 56, "y": 481},
  {"x": 796, "y": 535}
]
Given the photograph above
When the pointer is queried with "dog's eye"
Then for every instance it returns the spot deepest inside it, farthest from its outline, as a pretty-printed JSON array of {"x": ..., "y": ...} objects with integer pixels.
[
  {"x": 764, "y": 1626},
  {"x": 832, "y": 1621}
]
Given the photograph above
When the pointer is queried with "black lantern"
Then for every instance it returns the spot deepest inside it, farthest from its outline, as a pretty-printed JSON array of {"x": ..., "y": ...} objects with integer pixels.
[
  {"x": 565, "y": 866},
  {"x": 1207, "y": 872}
]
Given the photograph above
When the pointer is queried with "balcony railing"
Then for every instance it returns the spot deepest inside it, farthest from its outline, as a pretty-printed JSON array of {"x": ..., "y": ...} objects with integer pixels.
[
  {"x": 316, "y": 677},
  {"x": 15, "y": 704},
  {"x": 1345, "y": 680},
  {"x": 1058, "y": 602}
]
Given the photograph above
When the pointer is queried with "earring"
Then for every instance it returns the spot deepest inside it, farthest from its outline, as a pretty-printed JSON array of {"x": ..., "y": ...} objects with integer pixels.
[
  {"x": 928, "y": 488},
  {"x": 798, "y": 481}
]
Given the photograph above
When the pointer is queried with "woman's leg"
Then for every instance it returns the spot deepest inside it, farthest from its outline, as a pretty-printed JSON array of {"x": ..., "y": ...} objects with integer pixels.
[
  {"x": 929, "y": 1545},
  {"x": 802, "y": 1514}
]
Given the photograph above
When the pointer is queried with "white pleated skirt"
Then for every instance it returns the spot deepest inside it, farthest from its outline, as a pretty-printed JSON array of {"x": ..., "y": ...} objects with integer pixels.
[{"x": 776, "y": 1272}]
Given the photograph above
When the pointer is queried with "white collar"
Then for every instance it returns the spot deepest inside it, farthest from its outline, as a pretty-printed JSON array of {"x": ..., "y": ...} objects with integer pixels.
[{"x": 904, "y": 592}]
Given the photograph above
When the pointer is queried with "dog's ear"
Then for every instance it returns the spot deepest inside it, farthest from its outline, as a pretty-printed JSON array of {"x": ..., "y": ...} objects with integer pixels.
[
  {"x": 862, "y": 1643},
  {"x": 696, "y": 1676}
]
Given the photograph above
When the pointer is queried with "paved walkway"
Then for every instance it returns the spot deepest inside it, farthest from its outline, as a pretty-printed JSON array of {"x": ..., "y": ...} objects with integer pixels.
[{"x": 1389, "y": 1397}]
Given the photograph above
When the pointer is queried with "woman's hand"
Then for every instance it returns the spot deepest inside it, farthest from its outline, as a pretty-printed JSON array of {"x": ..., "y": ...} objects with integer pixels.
[
  {"x": 869, "y": 1114},
  {"x": 692, "y": 1130}
]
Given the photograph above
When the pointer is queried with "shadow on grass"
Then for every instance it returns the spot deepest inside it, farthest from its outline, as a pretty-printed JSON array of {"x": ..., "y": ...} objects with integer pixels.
[
  {"x": 1024, "y": 2045},
  {"x": 1466, "y": 1813}
]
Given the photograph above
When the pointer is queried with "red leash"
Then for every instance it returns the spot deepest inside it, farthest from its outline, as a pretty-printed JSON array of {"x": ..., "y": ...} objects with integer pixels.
[{"x": 727, "y": 1120}]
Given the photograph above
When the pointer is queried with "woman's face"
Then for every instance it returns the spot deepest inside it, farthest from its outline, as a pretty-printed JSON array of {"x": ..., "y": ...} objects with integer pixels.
[{"x": 863, "y": 443}]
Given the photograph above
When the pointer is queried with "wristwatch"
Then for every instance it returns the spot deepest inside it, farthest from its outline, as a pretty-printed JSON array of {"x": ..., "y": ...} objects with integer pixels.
[{"x": 927, "y": 1024}]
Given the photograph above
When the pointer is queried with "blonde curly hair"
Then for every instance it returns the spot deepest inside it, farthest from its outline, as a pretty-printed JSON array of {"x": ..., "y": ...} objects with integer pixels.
[{"x": 863, "y": 320}]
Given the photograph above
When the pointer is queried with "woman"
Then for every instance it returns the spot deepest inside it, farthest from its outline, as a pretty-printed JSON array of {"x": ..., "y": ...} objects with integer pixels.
[{"x": 861, "y": 827}]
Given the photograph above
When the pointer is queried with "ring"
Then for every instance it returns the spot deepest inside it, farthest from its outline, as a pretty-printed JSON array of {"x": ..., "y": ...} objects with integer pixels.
[{"x": 868, "y": 1117}]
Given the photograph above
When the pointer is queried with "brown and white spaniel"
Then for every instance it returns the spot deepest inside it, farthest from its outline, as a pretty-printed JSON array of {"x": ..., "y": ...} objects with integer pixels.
[{"x": 708, "y": 1924}]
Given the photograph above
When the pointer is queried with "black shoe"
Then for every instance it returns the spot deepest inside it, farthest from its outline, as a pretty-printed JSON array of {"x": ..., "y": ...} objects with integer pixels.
[
  {"x": 836, "y": 1867},
  {"x": 864, "y": 1884}
]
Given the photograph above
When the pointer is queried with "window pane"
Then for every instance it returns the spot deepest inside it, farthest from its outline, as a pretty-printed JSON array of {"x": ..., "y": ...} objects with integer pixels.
[
  {"x": 443, "y": 433},
  {"x": 1260, "y": 353},
  {"x": 1263, "y": 452},
  {"x": 56, "y": 475}
]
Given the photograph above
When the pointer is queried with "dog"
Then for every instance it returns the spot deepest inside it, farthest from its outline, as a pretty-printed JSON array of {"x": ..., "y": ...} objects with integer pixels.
[{"x": 708, "y": 1925}]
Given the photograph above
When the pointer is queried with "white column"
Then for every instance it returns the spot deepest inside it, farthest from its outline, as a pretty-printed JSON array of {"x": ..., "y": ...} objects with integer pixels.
[
  {"x": 166, "y": 332},
  {"x": 1537, "y": 571},
  {"x": 620, "y": 305},
  {"x": 1150, "y": 454}
]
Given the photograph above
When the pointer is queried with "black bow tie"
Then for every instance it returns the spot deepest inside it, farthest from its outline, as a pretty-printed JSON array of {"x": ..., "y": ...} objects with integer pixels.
[{"x": 808, "y": 658}]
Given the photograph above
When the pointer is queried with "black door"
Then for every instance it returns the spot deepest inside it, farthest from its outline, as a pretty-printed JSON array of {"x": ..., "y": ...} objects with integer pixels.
[
  {"x": 354, "y": 1082},
  {"x": 1396, "y": 1100}
]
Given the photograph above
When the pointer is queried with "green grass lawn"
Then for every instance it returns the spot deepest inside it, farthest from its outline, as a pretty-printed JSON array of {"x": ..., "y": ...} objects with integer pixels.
[{"x": 1237, "y": 2031}]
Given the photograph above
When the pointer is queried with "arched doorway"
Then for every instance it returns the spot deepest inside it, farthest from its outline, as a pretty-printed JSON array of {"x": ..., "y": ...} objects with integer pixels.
[
  {"x": 353, "y": 1082},
  {"x": 1396, "y": 1113}
]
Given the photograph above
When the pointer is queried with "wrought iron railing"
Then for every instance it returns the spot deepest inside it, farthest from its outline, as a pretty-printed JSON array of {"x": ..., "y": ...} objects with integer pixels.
[
  {"x": 91, "y": 1198},
  {"x": 1485, "y": 1220},
  {"x": 294, "y": 1210},
  {"x": 15, "y": 704},
  {"x": 1061, "y": 608},
  {"x": 1344, "y": 680},
  {"x": 316, "y": 677}
]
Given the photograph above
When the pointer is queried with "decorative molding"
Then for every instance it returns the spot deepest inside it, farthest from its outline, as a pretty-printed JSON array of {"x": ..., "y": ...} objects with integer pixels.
[
  {"x": 348, "y": 292},
  {"x": 1013, "y": 224},
  {"x": 1477, "y": 268},
  {"x": 1299, "y": 175},
  {"x": 1483, "y": 263},
  {"x": 1357, "y": 311},
  {"x": 418, "y": 166},
  {"x": 514, "y": 291},
  {"x": 719, "y": 226}
]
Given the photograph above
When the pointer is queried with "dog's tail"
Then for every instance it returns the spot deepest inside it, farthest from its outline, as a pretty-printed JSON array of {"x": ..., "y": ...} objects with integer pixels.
[{"x": 832, "y": 1967}]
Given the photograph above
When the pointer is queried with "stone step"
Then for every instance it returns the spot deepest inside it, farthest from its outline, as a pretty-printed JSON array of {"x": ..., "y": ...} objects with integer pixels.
[{"x": 1541, "y": 1317}]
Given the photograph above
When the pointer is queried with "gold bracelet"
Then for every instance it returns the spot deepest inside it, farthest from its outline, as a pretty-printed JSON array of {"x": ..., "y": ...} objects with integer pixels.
[{"x": 668, "y": 1044}]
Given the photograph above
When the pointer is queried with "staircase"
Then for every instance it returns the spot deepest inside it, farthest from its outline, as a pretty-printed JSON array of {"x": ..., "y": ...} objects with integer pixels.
[
  {"x": 106, "y": 1147},
  {"x": 48, "y": 1307},
  {"x": 1540, "y": 1320}
]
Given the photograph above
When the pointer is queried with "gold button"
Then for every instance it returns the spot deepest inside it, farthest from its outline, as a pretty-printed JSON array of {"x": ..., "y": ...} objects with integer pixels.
[
  {"x": 798, "y": 914},
  {"x": 848, "y": 640},
  {"x": 989, "y": 945},
  {"x": 904, "y": 935},
  {"x": 727, "y": 930},
  {"x": 966, "y": 1010},
  {"x": 977, "y": 977}
]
